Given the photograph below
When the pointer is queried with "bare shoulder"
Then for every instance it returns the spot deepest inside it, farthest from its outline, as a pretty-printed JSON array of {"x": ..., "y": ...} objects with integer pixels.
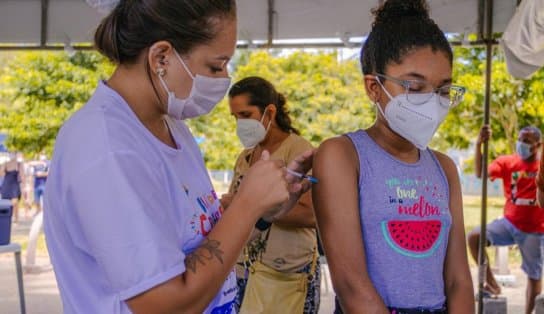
[
  {"x": 338, "y": 148},
  {"x": 447, "y": 164},
  {"x": 336, "y": 162}
]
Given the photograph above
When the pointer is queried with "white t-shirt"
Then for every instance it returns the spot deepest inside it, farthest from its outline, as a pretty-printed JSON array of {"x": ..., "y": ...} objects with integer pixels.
[{"x": 122, "y": 209}]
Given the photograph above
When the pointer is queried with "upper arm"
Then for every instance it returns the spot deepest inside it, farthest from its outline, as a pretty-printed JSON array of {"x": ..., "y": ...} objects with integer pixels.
[
  {"x": 158, "y": 299},
  {"x": 456, "y": 265},
  {"x": 336, "y": 205},
  {"x": 497, "y": 168},
  {"x": 539, "y": 197}
]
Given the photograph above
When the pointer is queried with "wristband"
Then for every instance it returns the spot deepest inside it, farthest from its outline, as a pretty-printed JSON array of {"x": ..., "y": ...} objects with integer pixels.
[{"x": 262, "y": 224}]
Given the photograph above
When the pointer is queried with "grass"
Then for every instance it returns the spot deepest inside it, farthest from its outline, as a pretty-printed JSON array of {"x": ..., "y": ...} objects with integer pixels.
[
  {"x": 472, "y": 210},
  {"x": 472, "y": 213}
]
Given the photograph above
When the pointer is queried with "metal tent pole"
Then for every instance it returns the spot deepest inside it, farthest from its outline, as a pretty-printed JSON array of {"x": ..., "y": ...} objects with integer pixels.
[
  {"x": 44, "y": 23},
  {"x": 271, "y": 22},
  {"x": 482, "y": 258}
]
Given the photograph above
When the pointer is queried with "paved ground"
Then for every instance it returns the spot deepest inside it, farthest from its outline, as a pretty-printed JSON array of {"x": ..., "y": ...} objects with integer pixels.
[{"x": 42, "y": 294}]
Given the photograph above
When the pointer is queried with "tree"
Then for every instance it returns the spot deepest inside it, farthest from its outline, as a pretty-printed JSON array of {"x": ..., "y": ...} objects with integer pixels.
[
  {"x": 40, "y": 91},
  {"x": 325, "y": 97},
  {"x": 514, "y": 103}
]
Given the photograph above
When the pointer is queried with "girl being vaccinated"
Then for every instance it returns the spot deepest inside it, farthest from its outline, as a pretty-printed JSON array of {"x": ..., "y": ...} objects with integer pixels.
[{"x": 390, "y": 212}]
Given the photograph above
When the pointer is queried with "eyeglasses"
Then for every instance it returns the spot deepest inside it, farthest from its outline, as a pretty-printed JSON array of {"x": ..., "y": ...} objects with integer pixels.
[{"x": 419, "y": 92}]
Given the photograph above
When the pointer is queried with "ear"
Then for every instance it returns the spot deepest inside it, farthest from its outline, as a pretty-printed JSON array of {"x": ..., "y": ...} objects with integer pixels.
[
  {"x": 271, "y": 109},
  {"x": 271, "y": 112},
  {"x": 373, "y": 89},
  {"x": 160, "y": 56}
]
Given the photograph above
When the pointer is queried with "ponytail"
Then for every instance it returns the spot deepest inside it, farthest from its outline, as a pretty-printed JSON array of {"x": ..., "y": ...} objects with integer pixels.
[{"x": 282, "y": 116}]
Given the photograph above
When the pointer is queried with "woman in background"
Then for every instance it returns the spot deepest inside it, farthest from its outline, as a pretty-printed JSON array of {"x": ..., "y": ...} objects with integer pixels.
[
  {"x": 288, "y": 245},
  {"x": 11, "y": 185}
]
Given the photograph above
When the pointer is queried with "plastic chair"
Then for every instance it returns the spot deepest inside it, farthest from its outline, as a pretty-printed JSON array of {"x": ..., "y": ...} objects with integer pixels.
[{"x": 16, "y": 249}]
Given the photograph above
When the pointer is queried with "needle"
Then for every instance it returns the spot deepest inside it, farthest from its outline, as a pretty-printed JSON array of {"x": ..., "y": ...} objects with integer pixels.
[{"x": 302, "y": 176}]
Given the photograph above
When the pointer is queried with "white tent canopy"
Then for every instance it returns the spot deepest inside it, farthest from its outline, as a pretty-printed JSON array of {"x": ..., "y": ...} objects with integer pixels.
[
  {"x": 49, "y": 23},
  {"x": 523, "y": 39}
]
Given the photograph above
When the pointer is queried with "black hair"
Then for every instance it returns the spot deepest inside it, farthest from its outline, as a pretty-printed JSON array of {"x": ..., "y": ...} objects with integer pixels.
[
  {"x": 399, "y": 27},
  {"x": 261, "y": 94},
  {"x": 534, "y": 130},
  {"x": 134, "y": 25}
]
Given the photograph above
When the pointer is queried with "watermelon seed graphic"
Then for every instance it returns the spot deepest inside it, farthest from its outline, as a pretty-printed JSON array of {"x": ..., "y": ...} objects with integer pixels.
[{"x": 413, "y": 238}]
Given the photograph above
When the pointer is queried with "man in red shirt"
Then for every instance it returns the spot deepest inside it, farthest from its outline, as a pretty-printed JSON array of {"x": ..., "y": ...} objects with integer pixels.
[{"x": 523, "y": 221}]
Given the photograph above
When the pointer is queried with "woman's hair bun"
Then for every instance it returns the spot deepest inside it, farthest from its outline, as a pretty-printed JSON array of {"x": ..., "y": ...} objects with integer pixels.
[{"x": 392, "y": 10}]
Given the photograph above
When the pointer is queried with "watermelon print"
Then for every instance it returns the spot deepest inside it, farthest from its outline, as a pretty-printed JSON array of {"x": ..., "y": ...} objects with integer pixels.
[{"x": 413, "y": 238}]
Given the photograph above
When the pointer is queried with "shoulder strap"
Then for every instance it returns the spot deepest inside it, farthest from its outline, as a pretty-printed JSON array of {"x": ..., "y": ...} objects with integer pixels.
[
  {"x": 315, "y": 255},
  {"x": 267, "y": 235},
  {"x": 250, "y": 260}
]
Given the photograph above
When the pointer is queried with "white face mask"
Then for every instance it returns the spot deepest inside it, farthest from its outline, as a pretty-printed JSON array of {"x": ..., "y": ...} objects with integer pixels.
[
  {"x": 206, "y": 92},
  {"x": 415, "y": 123},
  {"x": 251, "y": 132}
]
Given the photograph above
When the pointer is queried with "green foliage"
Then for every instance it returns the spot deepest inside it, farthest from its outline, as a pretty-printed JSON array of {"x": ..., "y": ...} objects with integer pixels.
[
  {"x": 325, "y": 98},
  {"x": 40, "y": 90},
  {"x": 514, "y": 103}
]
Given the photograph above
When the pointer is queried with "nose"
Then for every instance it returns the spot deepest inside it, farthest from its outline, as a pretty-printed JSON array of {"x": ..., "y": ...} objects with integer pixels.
[{"x": 225, "y": 73}]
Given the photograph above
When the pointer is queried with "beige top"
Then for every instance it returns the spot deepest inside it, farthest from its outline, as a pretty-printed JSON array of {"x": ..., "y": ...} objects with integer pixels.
[{"x": 287, "y": 249}]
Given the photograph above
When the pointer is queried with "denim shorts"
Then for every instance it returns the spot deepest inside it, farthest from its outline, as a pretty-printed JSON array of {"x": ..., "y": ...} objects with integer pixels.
[
  {"x": 501, "y": 232},
  {"x": 38, "y": 194}
]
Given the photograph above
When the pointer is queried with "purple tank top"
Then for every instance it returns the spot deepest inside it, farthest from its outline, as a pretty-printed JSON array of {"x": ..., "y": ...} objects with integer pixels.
[{"x": 405, "y": 221}]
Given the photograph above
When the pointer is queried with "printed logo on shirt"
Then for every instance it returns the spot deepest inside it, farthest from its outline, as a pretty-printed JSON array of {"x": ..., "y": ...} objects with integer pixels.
[
  {"x": 516, "y": 181},
  {"x": 417, "y": 230},
  {"x": 226, "y": 297},
  {"x": 415, "y": 197},
  {"x": 224, "y": 309},
  {"x": 207, "y": 213},
  {"x": 523, "y": 175}
]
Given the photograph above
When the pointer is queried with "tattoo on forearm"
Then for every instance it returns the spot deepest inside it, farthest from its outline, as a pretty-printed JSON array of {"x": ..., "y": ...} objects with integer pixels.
[{"x": 206, "y": 252}]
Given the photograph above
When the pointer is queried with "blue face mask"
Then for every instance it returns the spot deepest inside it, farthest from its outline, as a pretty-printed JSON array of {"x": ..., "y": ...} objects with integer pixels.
[{"x": 523, "y": 150}]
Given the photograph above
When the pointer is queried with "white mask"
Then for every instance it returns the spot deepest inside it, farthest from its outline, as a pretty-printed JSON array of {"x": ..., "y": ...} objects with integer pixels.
[
  {"x": 206, "y": 92},
  {"x": 415, "y": 123},
  {"x": 251, "y": 132}
]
